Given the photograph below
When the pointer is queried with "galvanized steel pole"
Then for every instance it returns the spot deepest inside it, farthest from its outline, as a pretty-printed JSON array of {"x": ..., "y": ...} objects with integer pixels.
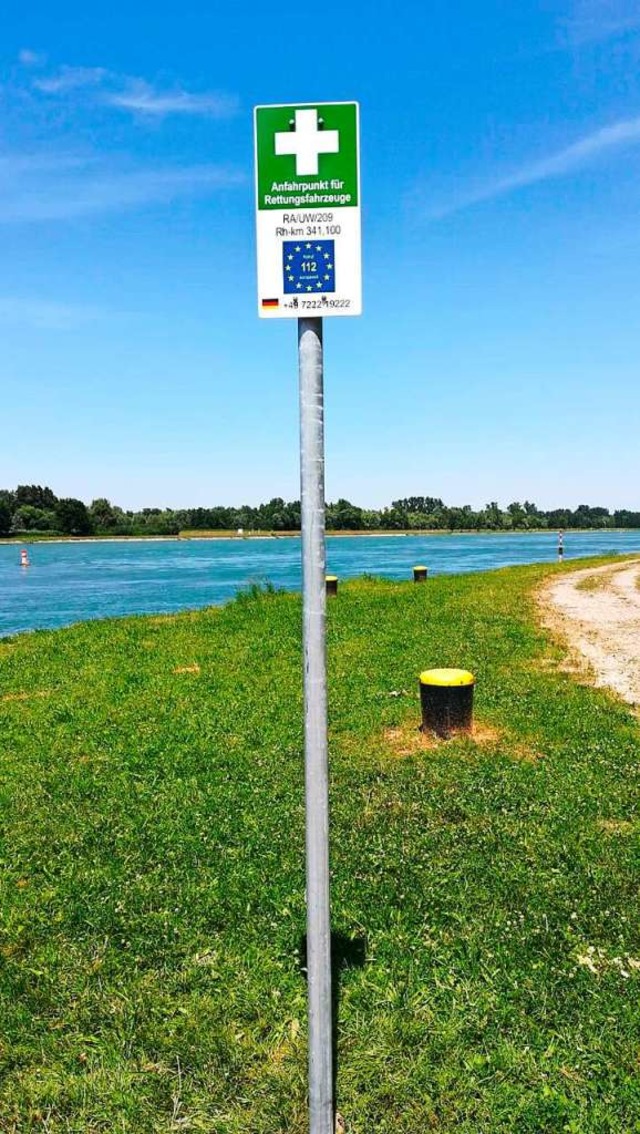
[{"x": 321, "y": 1117}]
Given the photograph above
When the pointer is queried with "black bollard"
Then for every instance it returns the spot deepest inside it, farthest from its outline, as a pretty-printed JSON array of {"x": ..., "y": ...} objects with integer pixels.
[
  {"x": 446, "y": 699},
  {"x": 420, "y": 574},
  {"x": 331, "y": 584}
]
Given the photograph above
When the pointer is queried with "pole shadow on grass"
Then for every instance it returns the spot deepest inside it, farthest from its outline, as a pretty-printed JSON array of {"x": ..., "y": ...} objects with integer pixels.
[{"x": 346, "y": 953}]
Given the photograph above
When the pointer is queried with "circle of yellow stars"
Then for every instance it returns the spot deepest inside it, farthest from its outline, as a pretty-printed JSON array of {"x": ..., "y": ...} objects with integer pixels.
[{"x": 309, "y": 248}]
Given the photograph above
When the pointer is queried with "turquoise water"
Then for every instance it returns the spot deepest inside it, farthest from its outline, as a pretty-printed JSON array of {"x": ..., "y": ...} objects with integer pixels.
[{"x": 70, "y": 582}]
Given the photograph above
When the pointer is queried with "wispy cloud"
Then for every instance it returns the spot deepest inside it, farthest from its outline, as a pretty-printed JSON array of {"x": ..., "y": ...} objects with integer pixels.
[
  {"x": 135, "y": 95},
  {"x": 71, "y": 78},
  {"x": 30, "y": 58},
  {"x": 593, "y": 20},
  {"x": 45, "y": 314},
  {"x": 578, "y": 34},
  {"x": 588, "y": 149},
  {"x": 14, "y": 166},
  {"x": 46, "y": 189},
  {"x": 143, "y": 99}
]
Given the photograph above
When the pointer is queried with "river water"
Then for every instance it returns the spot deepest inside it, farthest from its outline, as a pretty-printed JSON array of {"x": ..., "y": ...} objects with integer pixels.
[{"x": 70, "y": 582}]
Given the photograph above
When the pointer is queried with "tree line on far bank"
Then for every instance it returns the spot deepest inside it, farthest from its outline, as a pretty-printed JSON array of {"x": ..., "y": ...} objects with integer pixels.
[{"x": 31, "y": 509}]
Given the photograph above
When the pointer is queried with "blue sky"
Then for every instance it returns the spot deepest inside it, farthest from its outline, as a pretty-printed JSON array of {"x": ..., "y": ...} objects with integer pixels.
[{"x": 498, "y": 354}]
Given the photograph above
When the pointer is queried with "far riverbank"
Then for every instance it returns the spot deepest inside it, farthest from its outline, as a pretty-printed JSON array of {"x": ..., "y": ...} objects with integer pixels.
[{"x": 204, "y": 537}]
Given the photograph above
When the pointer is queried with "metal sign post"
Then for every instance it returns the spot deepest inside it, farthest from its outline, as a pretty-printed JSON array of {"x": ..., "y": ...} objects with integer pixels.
[
  {"x": 315, "y": 725},
  {"x": 309, "y": 265}
]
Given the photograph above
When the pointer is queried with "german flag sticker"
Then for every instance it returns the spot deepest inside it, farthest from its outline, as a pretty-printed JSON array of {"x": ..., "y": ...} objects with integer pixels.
[{"x": 270, "y": 302}]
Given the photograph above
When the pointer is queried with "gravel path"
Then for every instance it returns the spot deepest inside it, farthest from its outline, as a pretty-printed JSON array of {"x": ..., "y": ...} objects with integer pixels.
[{"x": 598, "y": 612}]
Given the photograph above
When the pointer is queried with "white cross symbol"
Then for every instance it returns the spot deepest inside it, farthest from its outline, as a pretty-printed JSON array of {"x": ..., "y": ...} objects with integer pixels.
[{"x": 307, "y": 142}]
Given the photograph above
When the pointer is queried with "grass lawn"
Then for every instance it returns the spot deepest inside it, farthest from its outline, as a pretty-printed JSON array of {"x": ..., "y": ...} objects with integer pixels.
[{"x": 485, "y": 895}]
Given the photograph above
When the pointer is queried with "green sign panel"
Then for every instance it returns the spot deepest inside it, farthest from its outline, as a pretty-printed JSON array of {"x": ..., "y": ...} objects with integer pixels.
[
  {"x": 307, "y": 156},
  {"x": 308, "y": 210}
]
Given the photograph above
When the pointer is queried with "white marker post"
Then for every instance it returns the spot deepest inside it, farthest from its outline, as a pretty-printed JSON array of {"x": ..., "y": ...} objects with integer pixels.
[{"x": 309, "y": 265}]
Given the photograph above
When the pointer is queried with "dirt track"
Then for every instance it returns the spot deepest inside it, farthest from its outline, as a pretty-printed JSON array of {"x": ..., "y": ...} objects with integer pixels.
[{"x": 598, "y": 611}]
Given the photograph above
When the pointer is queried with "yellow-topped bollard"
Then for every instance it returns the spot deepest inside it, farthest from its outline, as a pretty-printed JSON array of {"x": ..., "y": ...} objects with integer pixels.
[
  {"x": 446, "y": 699},
  {"x": 420, "y": 574},
  {"x": 331, "y": 582}
]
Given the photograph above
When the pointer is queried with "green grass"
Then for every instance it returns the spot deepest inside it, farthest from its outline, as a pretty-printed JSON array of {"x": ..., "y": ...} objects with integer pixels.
[{"x": 152, "y": 900}]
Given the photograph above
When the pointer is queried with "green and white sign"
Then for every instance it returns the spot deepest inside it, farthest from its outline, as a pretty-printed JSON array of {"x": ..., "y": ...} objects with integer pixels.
[{"x": 308, "y": 210}]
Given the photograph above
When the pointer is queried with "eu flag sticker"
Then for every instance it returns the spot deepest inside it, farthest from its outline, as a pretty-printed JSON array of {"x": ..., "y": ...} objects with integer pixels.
[{"x": 309, "y": 266}]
